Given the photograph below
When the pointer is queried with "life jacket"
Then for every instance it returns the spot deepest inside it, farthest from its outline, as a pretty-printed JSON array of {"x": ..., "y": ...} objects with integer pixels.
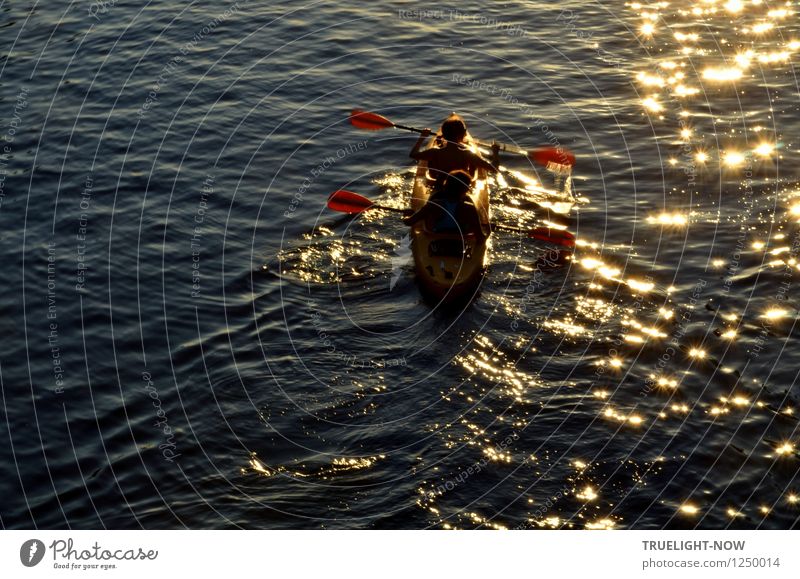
[{"x": 447, "y": 221}]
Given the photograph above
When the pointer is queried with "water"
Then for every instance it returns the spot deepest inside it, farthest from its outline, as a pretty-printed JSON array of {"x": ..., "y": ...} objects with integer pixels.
[{"x": 191, "y": 339}]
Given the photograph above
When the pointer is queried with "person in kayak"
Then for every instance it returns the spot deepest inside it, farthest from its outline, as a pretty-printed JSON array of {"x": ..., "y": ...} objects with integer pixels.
[
  {"x": 450, "y": 153},
  {"x": 449, "y": 209}
]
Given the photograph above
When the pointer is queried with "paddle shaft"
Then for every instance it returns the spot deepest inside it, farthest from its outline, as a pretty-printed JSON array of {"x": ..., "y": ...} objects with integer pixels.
[
  {"x": 374, "y": 122},
  {"x": 502, "y": 147},
  {"x": 392, "y": 209}
]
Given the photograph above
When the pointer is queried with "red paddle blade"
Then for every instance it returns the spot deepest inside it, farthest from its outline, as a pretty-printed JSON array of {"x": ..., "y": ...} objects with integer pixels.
[
  {"x": 557, "y": 236},
  {"x": 557, "y": 155},
  {"x": 348, "y": 202},
  {"x": 369, "y": 121}
]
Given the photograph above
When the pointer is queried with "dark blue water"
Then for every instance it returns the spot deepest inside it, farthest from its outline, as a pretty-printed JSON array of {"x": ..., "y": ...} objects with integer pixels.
[{"x": 191, "y": 339}]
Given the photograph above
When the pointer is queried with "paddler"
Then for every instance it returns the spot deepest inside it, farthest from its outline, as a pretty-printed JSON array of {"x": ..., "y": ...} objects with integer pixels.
[
  {"x": 449, "y": 209},
  {"x": 450, "y": 153}
]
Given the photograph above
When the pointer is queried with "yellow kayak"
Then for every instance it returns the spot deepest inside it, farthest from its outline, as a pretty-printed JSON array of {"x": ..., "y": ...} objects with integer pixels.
[{"x": 450, "y": 266}]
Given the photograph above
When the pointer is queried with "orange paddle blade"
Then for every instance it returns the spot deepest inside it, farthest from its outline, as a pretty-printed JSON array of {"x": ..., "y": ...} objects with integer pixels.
[
  {"x": 348, "y": 202},
  {"x": 557, "y": 236},
  {"x": 557, "y": 155},
  {"x": 369, "y": 121}
]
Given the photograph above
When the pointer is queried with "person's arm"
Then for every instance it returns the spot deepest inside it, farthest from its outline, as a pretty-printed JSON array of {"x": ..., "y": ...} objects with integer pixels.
[
  {"x": 493, "y": 164},
  {"x": 416, "y": 153},
  {"x": 412, "y": 219}
]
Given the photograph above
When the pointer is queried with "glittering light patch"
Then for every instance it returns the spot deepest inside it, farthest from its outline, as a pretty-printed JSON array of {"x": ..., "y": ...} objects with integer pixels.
[
  {"x": 259, "y": 467},
  {"x": 682, "y": 90},
  {"x": 734, "y": 6},
  {"x": 778, "y": 13},
  {"x": 587, "y": 494},
  {"x": 740, "y": 401},
  {"x": 775, "y": 314},
  {"x": 600, "y": 525},
  {"x": 689, "y": 509},
  {"x": 744, "y": 59},
  {"x": 649, "y": 79},
  {"x": 726, "y": 74},
  {"x": 652, "y": 104},
  {"x": 664, "y": 381},
  {"x": 691, "y": 37},
  {"x": 773, "y": 57},
  {"x": 673, "y": 219},
  {"x": 595, "y": 309},
  {"x": 566, "y": 327},
  {"x": 762, "y": 27},
  {"x": 733, "y": 159},
  {"x": 765, "y": 150},
  {"x": 734, "y": 513}
]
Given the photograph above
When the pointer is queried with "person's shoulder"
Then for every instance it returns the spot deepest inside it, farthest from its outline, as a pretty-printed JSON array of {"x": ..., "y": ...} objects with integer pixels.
[{"x": 429, "y": 153}]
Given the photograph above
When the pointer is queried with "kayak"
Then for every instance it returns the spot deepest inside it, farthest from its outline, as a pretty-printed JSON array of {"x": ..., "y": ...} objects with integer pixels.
[{"x": 450, "y": 266}]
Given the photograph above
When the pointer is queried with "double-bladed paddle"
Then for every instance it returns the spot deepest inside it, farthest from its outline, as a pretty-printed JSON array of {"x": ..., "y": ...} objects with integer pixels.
[
  {"x": 375, "y": 122},
  {"x": 353, "y": 203}
]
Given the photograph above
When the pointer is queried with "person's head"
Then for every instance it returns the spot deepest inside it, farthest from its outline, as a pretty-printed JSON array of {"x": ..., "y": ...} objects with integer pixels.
[
  {"x": 454, "y": 129},
  {"x": 457, "y": 184}
]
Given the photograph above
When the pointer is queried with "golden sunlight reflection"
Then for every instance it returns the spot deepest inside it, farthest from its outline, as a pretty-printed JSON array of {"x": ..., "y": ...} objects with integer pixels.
[
  {"x": 765, "y": 150},
  {"x": 664, "y": 381},
  {"x": 697, "y": 353},
  {"x": 733, "y": 159},
  {"x": 651, "y": 104},
  {"x": 259, "y": 467},
  {"x": 611, "y": 413},
  {"x": 760, "y": 28},
  {"x": 734, "y": 6},
  {"x": 775, "y": 314},
  {"x": 724, "y": 74},
  {"x": 672, "y": 219},
  {"x": 588, "y": 494},
  {"x": 734, "y": 513},
  {"x": 689, "y": 509},
  {"x": 601, "y": 525}
]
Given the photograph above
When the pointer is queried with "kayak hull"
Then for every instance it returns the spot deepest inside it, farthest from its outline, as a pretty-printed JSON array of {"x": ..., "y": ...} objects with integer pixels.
[{"x": 450, "y": 266}]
